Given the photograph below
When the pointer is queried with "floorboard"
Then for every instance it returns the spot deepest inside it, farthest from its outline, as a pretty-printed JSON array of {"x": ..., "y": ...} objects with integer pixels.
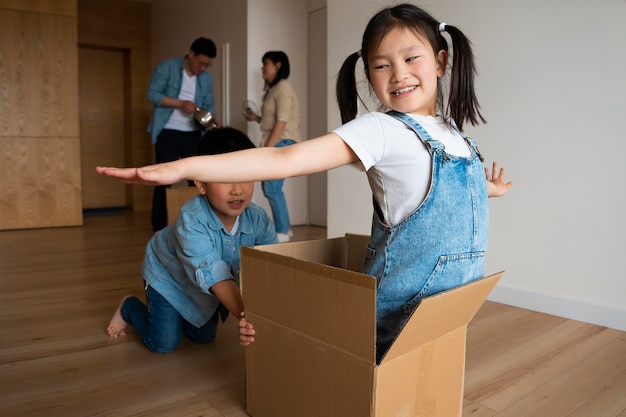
[{"x": 59, "y": 287}]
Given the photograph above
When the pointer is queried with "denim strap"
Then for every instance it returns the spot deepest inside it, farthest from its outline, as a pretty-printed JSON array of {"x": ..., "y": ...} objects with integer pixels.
[{"x": 430, "y": 143}]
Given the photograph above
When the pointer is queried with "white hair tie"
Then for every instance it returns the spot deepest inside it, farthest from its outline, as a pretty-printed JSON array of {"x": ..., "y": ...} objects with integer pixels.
[{"x": 442, "y": 27}]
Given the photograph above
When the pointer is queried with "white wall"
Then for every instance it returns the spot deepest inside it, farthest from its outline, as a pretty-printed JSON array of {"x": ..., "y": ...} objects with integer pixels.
[
  {"x": 552, "y": 87},
  {"x": 279, "y": 25},
  {"x": 318, "y": 99}
]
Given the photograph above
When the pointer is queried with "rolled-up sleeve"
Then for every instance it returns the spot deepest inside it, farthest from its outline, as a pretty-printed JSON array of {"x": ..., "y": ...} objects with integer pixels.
[
  {"x": 158, "y": 84},
  {"x": 200, "y": 255}
]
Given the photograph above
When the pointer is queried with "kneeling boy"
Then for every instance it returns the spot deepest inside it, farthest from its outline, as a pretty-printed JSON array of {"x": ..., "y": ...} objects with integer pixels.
[{"x": 191, "y": 267}]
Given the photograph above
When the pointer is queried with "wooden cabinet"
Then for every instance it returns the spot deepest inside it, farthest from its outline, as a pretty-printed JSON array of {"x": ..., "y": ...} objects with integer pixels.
[
  {"x": 39, "y": 146},
  {"x": 41, "y": 141}
]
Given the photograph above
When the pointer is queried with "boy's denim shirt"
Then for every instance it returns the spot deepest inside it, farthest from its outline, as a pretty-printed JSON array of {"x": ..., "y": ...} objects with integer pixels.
[{"x": 185, "y": 259}]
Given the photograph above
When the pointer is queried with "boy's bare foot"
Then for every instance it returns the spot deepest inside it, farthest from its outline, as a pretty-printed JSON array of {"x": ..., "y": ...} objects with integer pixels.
[{"x": 117, "y": 325}]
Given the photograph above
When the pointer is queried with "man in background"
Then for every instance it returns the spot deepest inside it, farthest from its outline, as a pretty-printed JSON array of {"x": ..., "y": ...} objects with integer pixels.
[{"x": 178, "y": 87}]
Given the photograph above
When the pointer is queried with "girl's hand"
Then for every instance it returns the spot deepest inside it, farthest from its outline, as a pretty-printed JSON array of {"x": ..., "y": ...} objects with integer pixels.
[
  {"x": 160, "y": 174},
  {"x": 246, "y": 331},
  {"x": 496, "y": 187}
]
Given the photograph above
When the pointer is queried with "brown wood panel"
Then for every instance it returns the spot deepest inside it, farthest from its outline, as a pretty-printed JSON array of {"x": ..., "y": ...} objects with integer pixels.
[
  {"x": 62, "y": 7},
  {"x": 39, "y": 149},
  {"x": 38, "y": 74},
  {"x": 40, "y": 183},
  {"x": 102, "y": 92}
]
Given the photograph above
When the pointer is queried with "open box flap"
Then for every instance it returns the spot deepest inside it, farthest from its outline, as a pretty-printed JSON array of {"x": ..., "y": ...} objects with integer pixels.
[{"x": 440, "y": 314}]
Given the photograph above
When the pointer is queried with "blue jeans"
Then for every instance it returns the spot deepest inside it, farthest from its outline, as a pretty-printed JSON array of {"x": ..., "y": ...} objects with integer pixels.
[
  {"x": 159, "y": 325},
  {"x": 273, "y": 191}
]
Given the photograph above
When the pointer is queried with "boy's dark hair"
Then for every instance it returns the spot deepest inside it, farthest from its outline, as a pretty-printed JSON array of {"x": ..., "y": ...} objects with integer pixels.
[
  {"x": 462, "y": 104},
  {"x": 204, "y": 46},
  {"x": 283, "y": 72},
  {"x": 224, "y": 140}
]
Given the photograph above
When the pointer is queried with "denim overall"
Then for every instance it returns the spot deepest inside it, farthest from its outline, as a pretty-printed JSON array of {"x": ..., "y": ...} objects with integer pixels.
[{"x": 439, "y": 246}]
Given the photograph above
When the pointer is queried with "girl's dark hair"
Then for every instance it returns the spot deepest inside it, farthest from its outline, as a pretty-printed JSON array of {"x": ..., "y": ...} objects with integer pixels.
[
  {"x": 283, "y": 72},
  {"x": 462, "y": 103},
  {"x": 223, "y": 140}
]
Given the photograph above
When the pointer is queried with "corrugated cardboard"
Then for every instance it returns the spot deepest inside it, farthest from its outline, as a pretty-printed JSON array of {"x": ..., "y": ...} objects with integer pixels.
[
  {"x": 176, "y": 197},
  {"x": 315, "y": 320}
]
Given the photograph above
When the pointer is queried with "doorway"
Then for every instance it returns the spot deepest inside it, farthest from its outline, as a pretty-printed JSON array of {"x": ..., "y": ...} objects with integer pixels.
[{"x": 103, "y": 88}]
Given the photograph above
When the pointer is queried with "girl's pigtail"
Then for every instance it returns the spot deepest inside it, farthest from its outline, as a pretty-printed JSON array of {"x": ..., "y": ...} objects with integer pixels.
[
  {"x": 462, "y": 103},
  {"x": 346, "y": 90}
]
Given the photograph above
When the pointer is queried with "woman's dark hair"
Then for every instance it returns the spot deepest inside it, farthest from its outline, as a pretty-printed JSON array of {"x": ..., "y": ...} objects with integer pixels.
[
  {"x": 223, "y": 140},
  {"x": 462, "y": 103},
  {"x": 204, "y": 46},
  {"x": 283, "y": 72}
]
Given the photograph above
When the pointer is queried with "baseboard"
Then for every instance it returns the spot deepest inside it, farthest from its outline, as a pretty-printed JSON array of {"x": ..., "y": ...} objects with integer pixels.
[{"x": 575, "y": 309}]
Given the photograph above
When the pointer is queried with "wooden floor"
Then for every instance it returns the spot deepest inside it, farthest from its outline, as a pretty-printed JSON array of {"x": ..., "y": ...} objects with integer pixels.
[{"x": 58, "y": 288}]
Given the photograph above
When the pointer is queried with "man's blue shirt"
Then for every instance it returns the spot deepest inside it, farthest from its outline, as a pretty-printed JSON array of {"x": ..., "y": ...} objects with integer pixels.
[{"x": 167, "y": 79}]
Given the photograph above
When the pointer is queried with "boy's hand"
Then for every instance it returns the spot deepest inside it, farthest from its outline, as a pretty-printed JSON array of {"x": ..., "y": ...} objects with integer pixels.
[
  {"x": 246, "y": 331},
  {"x": 496, "y": 187}
]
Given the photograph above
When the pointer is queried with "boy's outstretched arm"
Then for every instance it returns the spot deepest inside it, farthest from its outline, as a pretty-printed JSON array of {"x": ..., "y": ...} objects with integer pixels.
[{"x": 496, "y": 186}]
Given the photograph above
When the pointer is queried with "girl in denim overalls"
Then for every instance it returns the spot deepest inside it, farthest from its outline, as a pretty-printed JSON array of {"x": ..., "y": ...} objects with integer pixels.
[{"x": 429, "y": 231}]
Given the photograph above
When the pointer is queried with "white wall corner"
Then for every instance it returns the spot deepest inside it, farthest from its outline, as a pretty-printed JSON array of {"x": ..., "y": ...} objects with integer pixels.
[{"x": 610, "y": 316}]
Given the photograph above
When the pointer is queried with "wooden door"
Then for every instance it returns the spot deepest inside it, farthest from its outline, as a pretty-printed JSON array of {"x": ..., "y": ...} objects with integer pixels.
[{"x": 103, "y": 118}]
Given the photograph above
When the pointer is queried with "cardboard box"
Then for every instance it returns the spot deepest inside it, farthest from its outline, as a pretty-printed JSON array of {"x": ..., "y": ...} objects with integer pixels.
[
  {"x": 176, "y": 197},
  {"x": 315, "y": 320}
]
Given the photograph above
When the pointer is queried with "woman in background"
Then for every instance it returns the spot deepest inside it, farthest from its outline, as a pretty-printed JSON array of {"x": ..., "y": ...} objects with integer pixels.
[{"x": 280, "y": 126}]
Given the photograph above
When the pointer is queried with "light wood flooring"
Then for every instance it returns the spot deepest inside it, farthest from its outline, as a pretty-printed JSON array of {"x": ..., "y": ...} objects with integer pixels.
[{"x": 59, "y": 287}]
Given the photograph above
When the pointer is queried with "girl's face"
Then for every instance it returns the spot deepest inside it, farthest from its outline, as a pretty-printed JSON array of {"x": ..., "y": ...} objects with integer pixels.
[
  {"x": 403, "y": 72},
  {"x": 228, "y": 200},
  {"x": 269, "y": 70}
]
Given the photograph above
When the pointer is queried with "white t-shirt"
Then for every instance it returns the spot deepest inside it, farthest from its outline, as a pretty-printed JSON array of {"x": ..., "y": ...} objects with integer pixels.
[
  {"x": 397, "y": 163},
  {"x": 180, "y": 120}
]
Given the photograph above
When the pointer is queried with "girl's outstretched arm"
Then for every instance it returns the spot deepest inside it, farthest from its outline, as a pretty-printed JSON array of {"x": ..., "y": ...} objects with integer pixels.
[
  {"x": 496, "y": 186},
  {"x": 159, "y": 174},
  {"x": 308, "y": 157}
]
